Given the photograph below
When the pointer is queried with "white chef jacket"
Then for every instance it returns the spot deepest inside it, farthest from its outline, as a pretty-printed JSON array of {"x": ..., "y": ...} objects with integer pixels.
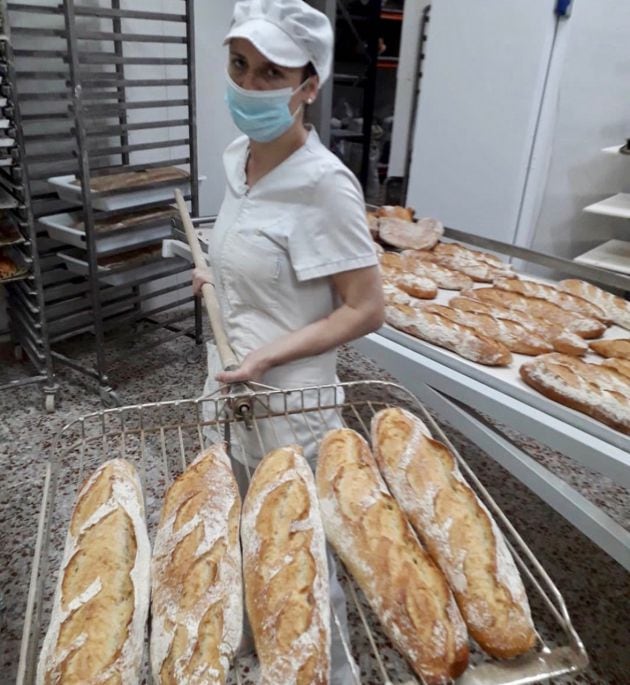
[{"x": 272, "y": 251}]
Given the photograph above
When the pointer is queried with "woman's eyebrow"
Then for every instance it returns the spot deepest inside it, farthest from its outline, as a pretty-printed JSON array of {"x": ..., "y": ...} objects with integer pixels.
[{"x": 272, "y": 65}]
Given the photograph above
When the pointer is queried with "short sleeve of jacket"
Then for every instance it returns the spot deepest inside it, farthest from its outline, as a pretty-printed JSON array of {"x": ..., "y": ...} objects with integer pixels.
[{"x": 333, "y": 234}]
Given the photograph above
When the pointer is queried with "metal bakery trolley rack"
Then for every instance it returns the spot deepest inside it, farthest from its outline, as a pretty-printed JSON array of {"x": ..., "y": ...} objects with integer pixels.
[
  {"x": 105, "y": 89},
  {"x": 160, "y": 439},
  {"x": 18, "y": 237},
  {"x": 464, "y": 393}
]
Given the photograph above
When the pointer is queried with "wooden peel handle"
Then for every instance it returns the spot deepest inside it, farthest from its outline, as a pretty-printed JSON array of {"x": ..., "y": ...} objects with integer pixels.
[{"x": 226, "y": 355}]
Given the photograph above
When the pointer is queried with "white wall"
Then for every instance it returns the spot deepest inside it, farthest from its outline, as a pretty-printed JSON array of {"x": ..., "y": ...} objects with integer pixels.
[
  {"x": 482, "y": 82},
  {"x": 215, "y": 128},
  {"x": 592, "y": 111}
]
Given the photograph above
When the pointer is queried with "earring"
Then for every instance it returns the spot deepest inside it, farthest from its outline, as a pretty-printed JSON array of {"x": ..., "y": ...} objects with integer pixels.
[{"x": 309, "y": 101}]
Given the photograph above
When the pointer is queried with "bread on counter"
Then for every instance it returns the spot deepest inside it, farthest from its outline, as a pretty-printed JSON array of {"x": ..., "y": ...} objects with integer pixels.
[
  {"x": 583, "y": 326},
  {"x": 416, "y": 286},
  {"x": 619, "y": 348},
  {"x": 616, "y": 308},
  {"x": 468, "y": 254},
  {"x": 286, "y": 571},
  {"x": 592, "y": 389},
  {"x": 416, "y": 235},
  {"x": 562, "y": 340},
  {"x": 571, "y": 303},
  {"x": 443, "y": 332},
  {"x": 96, "y": 631},
  {"x": 369, "y": 532},
  {"x": 197, "y": 601},
  {"x": 510, "y": 333},
  {"x": 457, "y": 531},
  {"x": 445, "y": 278}
]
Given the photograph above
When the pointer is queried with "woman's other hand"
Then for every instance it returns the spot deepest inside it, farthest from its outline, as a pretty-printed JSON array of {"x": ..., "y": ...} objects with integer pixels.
[
  {"x": 253, "y": 368},
  {"x": 199, "y": 278}
]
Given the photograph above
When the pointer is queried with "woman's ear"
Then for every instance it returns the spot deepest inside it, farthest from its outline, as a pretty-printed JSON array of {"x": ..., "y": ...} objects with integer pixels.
[{"x": 311, "y": 89}]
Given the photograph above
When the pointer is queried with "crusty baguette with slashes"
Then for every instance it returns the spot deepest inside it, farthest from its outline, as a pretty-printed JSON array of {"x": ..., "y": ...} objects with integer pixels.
[
  {"x": 286, "y": 571},
  {"x": 371, "y": 535},
  {"x": 457, "y": 531},
  {"x": 197, "y": 605},
  {"x": 96, "y": 632}
]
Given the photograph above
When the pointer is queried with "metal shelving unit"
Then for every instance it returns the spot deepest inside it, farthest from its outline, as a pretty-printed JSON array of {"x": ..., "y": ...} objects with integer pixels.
[
  {"x": 105, "y": 89},
  {"x": 25, "y": 294}
]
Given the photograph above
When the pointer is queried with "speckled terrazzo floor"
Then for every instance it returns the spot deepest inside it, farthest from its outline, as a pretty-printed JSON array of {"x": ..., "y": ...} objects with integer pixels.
[{"x": 596, "y": 589}]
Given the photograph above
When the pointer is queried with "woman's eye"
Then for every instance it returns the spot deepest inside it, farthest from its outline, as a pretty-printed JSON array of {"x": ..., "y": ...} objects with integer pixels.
[
  {"x": 273, "y": 73},
  {"x": 237, "y": 63}
]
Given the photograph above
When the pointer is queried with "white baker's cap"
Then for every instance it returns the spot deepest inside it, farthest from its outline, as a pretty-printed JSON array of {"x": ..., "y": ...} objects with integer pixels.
[{"x": 289, "y": 33}]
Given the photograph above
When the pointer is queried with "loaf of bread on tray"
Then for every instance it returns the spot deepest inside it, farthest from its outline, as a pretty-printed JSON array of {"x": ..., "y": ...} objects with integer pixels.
[
  {"x": 583, "y": 326},
  {"x": 457, "y": 531},
  {"x": 479, "y": 271},
  {"x": 615, "y": 308},
  {"x": 197, "y": 598},
  {"x": 286, "y": 572},
  {"x": 445, "y": 278},
  {"x": 592, "y": 389},
  {"x": 394, "y": 295},
  {"x": 416, "y": 286},
  {"x": 511, "y": 334},
  {"x": 139, "y": 178},
  {"x": 561, "y": 339},
  {"x": 417, "y": 235},
  {"x": 96, "y": 631},
  {"x": 443, "y": 332},
  {"x": 468, "y": 254},
  {"x": 371, "y": 535},
  {"x": 571, "y": 303},
  {"x": 619, "y": 348},
  {"x": 396, "y": 211}
]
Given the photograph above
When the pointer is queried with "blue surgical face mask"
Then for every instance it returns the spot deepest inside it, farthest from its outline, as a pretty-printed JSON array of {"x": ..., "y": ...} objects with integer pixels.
[{"x": 262, "y": 115}]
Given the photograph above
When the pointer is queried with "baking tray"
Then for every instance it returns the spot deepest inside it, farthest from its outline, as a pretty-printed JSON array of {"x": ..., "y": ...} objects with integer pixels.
[
  {"x": 69, "y": 190},
  {"x": 68, "y": 228},
  {"x": 507, "y": 379},
  {"x": 613, "y": 255},
  {"x": 75, "y": 261}
]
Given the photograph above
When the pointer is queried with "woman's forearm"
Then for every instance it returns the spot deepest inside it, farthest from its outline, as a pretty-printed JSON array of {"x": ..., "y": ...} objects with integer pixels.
[{"x": 342, "y": 326}]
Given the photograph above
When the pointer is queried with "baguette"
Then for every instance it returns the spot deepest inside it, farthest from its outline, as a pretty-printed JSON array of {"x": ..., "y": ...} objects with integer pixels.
[
  {"x": 457, "y": 530},
  {"x": 616, "y": 308},
  {"x": 445, "y": 278},
  {"x": 453, "y": 249},
  {"x": 562, "y": 340},
  {"x": 480, "y": 272},
  {"x": 407, "y": 592},
  {"x": 542, "y": 291},
  {"x": 541, "y": 309},
  {"x": 96, "y": 632},
  {"x": 418, "y": 235},
  {"x": 436, "y": 329},
  {"x": 511, "y": 334},
  {"x": 619, "y": 348},
  {"x": 557, "y": 377},
  {"x": 286, "y": 572},
  {"x": 416, "y": 286},
  {"x": 197, "y": 604}
]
